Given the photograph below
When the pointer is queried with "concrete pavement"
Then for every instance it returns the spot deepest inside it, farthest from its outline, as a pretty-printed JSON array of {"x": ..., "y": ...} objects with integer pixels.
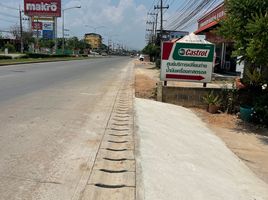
[
  {"x": 180, "y": 158},
  {"x": 52, "y": 120}
]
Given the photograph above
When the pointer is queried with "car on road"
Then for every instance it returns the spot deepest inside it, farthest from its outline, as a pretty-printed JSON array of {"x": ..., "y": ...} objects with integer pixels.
[{"x": 141, "y": 58}]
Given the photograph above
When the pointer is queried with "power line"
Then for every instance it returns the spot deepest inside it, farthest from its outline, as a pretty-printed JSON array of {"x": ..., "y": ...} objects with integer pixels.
[{"x": 190, "y": 13}]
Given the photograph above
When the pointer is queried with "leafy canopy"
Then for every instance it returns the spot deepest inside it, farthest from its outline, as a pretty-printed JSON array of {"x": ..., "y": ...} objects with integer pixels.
[{"x": 246, "y": 25}]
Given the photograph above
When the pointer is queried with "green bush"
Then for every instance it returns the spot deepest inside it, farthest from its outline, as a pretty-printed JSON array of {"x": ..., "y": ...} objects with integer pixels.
[
  {"x": 59, "y": 56},
  {"x": 230, "y": 103},
  {"x": 38, "y": 55},
  {"x": 24, "y": 56},
  {"x": 11, "y": 48},
  {"x": 5, "y": 57},
  {"x": 41, "y": 55},
  {"x": 260, "y": 113},
  {"x": 158, "y": 63}
]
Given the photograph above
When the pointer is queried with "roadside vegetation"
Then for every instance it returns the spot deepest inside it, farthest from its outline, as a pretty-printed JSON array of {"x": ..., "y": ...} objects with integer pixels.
[{"x": 247, "y": 27}]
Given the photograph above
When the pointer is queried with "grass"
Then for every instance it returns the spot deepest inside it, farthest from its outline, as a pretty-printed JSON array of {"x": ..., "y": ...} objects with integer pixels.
[{"x": 37, "y": 60}]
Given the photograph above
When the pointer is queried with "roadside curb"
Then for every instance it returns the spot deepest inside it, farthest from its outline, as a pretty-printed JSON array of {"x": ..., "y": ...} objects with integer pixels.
[{"x": 45, "y": 61}]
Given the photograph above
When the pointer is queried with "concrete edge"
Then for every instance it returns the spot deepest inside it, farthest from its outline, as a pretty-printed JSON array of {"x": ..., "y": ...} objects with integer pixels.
[
  {"x": 139, "y": 180},
  {"x": 45, "y": 61},
  {"x": 139, "y": 193}
]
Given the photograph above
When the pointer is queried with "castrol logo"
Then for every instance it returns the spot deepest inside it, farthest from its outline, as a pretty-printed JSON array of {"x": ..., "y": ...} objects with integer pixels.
[{"x": 203, "y": 53}]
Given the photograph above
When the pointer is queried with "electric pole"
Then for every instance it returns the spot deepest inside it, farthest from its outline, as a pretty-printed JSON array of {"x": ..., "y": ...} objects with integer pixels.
[
  {"x": 161, "y": 8},
  {"x": 151, "y": 40},
  {"x": 156, "y": 21},
  {"x": 21, "y": 32}
]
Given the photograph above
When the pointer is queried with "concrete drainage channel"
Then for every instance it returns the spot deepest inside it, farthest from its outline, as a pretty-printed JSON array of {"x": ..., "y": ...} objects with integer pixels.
[{"x": 114, "y": 172}]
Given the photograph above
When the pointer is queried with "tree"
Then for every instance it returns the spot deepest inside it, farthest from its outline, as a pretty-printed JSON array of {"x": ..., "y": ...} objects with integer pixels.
[
  {"x": 47, "y": 43},
  {"x": 27, "y": 36},
  {"x": 152, "y": 50},
  {"x": 75, "y": 44},
  {"x": 246, "y": 25},
  {"x": 11, "y": 48}
]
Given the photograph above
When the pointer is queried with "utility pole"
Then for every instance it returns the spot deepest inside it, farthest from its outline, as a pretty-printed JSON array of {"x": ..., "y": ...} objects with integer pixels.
[
  {"x": 21, "y": 32},
  {"x": 161, "y": 8},
  {"x": 155, "y": 23},
  {"x": 151, "y": 30}
]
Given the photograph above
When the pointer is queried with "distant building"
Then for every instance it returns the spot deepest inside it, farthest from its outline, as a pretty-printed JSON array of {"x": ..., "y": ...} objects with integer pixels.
[{"x": 95, "y": 40}]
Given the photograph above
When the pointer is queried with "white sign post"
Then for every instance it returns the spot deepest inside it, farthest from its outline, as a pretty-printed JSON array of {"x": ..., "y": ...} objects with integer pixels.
[{"x": 185, "y": 61}]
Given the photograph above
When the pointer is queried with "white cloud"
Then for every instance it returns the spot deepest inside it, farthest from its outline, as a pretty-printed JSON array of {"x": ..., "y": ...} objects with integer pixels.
[{"x": 125, "y": 18}]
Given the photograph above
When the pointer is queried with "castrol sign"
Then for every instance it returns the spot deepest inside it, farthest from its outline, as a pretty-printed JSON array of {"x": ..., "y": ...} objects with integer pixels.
[
  {"x": 191, "y": 62},
  {"x": 194, "y": 52},
  {"x": 44, "y": 8}
]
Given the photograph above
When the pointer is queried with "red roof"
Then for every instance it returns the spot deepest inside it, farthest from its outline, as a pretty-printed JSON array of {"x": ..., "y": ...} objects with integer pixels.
[{"x": 204, "y": 28}]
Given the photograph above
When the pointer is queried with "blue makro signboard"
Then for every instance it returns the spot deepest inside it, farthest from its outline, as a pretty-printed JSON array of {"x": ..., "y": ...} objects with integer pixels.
[{"x": 48, "y": 34}]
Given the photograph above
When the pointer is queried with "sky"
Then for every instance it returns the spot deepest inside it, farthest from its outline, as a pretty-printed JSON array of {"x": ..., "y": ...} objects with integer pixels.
[{"x": 123, "y": 21}]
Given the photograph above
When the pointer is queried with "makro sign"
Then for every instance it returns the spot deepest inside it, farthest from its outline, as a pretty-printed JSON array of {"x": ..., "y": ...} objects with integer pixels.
[
  {"x": 50, "y": 8},
  {"x": 187, "y": 62}
]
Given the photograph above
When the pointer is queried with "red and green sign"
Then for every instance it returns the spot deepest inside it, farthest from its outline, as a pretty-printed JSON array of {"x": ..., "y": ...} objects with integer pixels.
[{"x": 187, "y": 62}]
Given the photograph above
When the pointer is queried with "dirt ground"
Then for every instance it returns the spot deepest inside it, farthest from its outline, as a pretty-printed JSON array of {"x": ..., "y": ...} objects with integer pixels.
[{"x": 248, "y": 142}]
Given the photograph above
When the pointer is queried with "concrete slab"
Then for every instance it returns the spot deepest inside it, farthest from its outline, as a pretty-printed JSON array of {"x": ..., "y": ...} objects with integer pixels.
[
  {"x": 116, "y": 154},
  {"x": 180, "y": 158},
  {"x": 99, "y": 177},
  {"x": 117, "y": 145},
  {"x": 92, "y": 193},
  {"x": 128, "y": 165}
]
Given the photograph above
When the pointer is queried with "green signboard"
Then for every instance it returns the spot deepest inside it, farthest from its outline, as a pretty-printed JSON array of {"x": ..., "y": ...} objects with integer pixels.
[{"x": 187, "y": 62}]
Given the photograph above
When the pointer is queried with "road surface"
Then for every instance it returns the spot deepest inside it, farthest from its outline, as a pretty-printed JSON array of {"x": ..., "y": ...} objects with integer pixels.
[{"x": 52, "y": 119}]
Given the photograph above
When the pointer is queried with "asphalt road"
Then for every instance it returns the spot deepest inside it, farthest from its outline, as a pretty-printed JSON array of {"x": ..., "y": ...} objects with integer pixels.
[{"x": 52, "y": 117}]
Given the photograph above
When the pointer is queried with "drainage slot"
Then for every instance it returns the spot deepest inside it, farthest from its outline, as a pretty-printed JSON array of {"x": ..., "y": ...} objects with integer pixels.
[
  {"x": 109, "y": 149},
  {"x": 122, "y": 113},
  {"x": 117, "y": 142},
  {"x": 122, "y": 117},
  {"x": 116, "y": 159},
  {"x": 113, "y": 171},
  {"x": 119, "y": 135},
  {"x": 123, "y": 105},
  {"x": 121, "y": 120},
  {"x": 123, "y": 108},
  {"x": 116, "y": 124},
  {"x": 116, "y": 129},
  {"x": 109, "y": 186}
]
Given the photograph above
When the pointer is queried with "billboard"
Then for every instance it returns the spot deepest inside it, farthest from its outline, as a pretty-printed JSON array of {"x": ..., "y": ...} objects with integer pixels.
[
  {"x": 47, "y": 34},
  {"x": 44, "y": 8},
  {"x": 48, "y": 26},
  {"x": 38, "y": 34},
  {"x": 191, "y": 62},
  {"x": 37, "y": 26}
]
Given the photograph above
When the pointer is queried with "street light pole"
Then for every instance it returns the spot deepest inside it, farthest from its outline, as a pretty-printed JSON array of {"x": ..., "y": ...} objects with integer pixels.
[
  {"x": 21, "y": 32},
  {"x": 63, "y": 36},
  {"x": 63, "y": 32}
]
